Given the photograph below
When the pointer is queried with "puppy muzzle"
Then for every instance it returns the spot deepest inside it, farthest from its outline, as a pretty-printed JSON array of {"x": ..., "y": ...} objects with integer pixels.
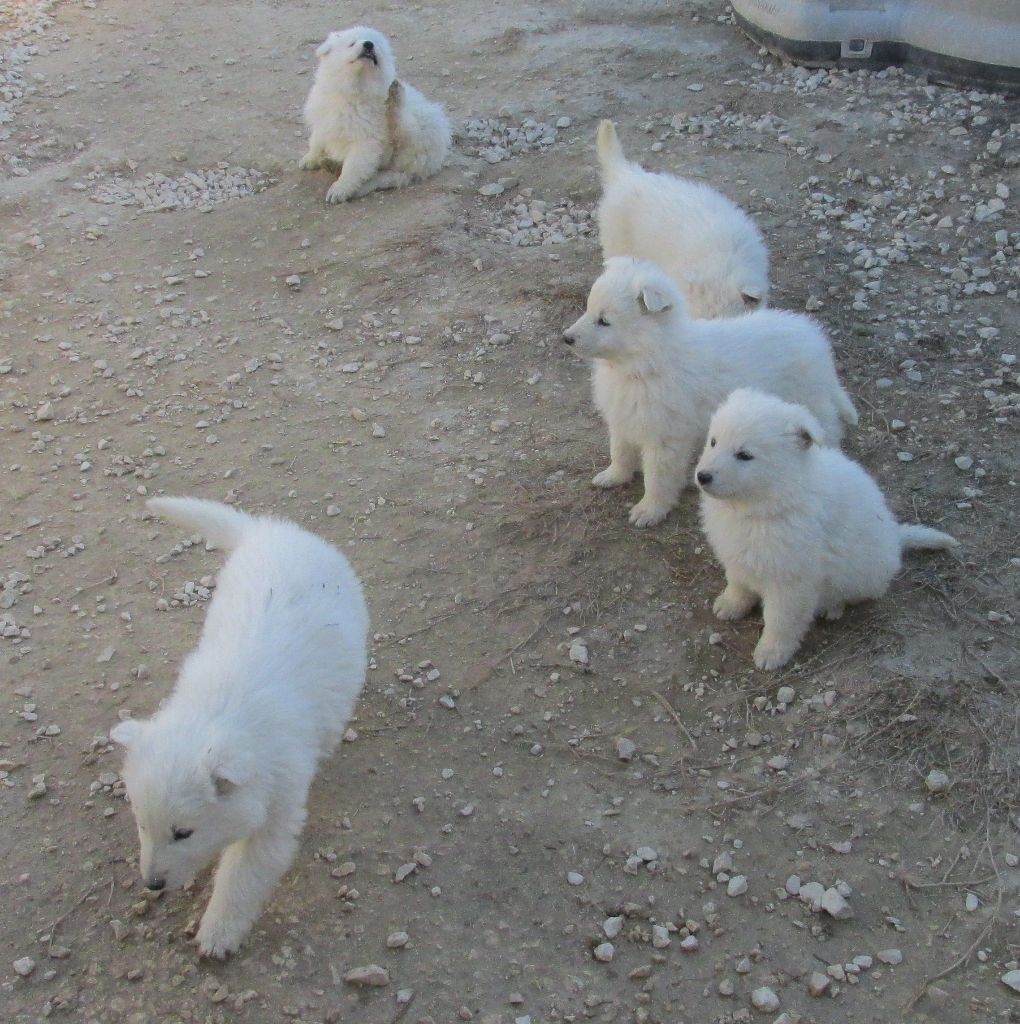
[
  {"x": 368, "y": 52},
  {"x": 704, "y": 478},
  {"x": 568, "y": 339}
]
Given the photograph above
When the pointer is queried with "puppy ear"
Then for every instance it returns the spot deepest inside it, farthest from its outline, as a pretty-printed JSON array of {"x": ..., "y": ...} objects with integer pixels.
[
  {"x": 808, "y": 431},
  {"x": 228, "y": 769},
  {"x": 653, "y": 298},
  {"x": 126, "y": 733},
  {"x": 324, "y": 48},
  {"x": 751, "y": 298}
]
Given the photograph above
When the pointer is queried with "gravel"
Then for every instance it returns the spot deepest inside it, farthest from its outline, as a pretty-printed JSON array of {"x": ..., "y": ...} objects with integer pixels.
[{"x": 202, "y": 189}]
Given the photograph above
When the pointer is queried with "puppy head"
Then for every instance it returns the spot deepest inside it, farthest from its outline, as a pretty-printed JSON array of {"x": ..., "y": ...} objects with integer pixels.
[
  {"x": 361, "y": 57},
  {"x": 192, "y": 793},
  {"x": 628, "y": 306},
  {"x": 757, "y": 448}
]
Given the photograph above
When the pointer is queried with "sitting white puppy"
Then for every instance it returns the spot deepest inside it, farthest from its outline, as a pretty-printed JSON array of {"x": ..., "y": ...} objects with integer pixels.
[
  {"x": 801, "y": 528},
  {"x": 225, "y": 764},
  {"x": 709, "y": 247},
  {"x": 659, "y": 376},
  {"x": 382, "y": 131}
]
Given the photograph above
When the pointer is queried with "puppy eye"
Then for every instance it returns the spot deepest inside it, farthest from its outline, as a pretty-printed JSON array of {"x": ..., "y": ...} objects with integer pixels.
[
  {"x": 182, "y": 833},
  {"x": 743, "y": 456},
  {"x": 602, "y": 322},
  {"x": 711, "y": 442}
]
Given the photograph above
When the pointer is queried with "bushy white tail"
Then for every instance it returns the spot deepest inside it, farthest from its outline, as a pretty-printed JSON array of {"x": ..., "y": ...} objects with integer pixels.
[
  {"x": 919, "y": 538},
  {"x": 222, "y": 526},
  {"x": 607, "y": 145}
]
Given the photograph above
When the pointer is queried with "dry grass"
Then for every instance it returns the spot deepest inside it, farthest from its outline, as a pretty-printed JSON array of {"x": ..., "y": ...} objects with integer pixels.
[{"x": 969, "y": 728}]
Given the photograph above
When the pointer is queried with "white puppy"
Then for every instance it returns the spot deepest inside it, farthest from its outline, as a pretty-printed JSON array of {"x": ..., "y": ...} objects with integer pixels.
[
  {"x": 659, "y": 376},
  {"x": 799, "y": 527},
  {"x": 709, "y": 247},
  {"x": 225, "y": 764},
  {"x": 382, "y": 131}
]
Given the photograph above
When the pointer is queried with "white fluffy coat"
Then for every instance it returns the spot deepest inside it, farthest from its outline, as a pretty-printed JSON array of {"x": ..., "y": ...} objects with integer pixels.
[
  {"x": 381, "y": 131},
  {"x": 709, "y": 246},
  {"x": 225, "y": 764},
  {"x": 798, "y": 527},
  {"x": 658, "y": 376}
]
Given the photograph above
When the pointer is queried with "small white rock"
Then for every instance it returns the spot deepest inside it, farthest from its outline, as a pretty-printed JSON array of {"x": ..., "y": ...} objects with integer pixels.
[
  {"x": 736, "y": 886},
  {"x": 890, "y": 956},
  {"x": 604, "y": 952},
  {"x": 765, "y": 999},
  {"x": 575, "y": 878},
  {"x": 937, "y": 781},
  {"x": 24, "y": 966},
  {"x": 612, "y": 926}
]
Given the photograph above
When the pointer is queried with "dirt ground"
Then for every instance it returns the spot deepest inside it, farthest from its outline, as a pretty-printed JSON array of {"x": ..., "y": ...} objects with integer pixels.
[{"x": 406, "y": 396}]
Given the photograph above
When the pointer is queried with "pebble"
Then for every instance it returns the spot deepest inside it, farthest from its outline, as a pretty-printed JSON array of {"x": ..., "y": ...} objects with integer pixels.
[
  {"x": 404, "y": 870},
  {"x": 397, "y": 940},
  {"x": 818, "y": 983},
  {"x": 890, "y": 956},
  {"x": 765, "y": 999},
  {"x": 660, "y": 936},
  {"x": 690, "y": 944},
  {"x": 836, "y": 906},
  {"x": 578, "y": 653},
  {"x": 24, "y": 966},
  {"x": 936, "y": 781},
  {"x": 604, "y": 952},
  {"x": 625, "y": 748},
  {"x": 736, "y": 886},
  {"x": 972, "y": 902},
  {"x": 1011, "y": 979},
  {"x": 575, "y": 878},
  {"x": 372, "y": 976},
  {"x": 964, "y": 462},
  {"x": 647, "y": 853},
  {"x": 786, "y": 694},
  {"x": 612, "y": 926}
]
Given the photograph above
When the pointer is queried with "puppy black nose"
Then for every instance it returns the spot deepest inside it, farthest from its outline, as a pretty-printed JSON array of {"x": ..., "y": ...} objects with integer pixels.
[
  {"x": 568, "y": 339},
  {"x": 368, "y": 45},
  {"x": 156, "y": 884},
  {"x": 704, "y": 478}
]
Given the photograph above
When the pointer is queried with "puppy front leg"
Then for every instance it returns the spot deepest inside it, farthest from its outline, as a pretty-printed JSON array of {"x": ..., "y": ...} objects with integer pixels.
[
  {"x": 665, "y": 472},
  {"x": 360, "y": 165},
  {"x": 315, "y": 157},
  {"x": 247, "y": 873},
  {"x": 623, "y": 463},
  {"x": 386, "y": 180},
  {"x": 735, "y": 601},
  {"x": 788, "y": 611}
]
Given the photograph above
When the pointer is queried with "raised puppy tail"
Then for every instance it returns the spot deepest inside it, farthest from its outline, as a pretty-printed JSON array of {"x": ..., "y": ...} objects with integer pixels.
[
  {"x": 607, "y": 145},
  {"x": 222, "y": 526},
  {"x": 847, "y": 410},
  {"x": 924, "y": 538}
]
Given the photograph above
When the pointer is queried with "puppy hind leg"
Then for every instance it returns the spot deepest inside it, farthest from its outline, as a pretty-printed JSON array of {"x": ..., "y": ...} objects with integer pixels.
[
  {"x": 788, "y": 612},
  {"x": 245, "y": 878},
  {"x": 386, "y": 180},
  {"x": 360, "y": 166},
  {"x": 665, "y": 472},
  {"x": 623, "y": 463}
]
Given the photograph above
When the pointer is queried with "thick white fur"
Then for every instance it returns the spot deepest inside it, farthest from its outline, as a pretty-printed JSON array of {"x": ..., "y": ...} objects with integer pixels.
[
  {"x": 267, "y": 693},
  {"x": 383, "y": 132},
  {"x": 709, "y": 247},
  {"x": 799, "y": 527},
  {"x": 659, "y": 376}
]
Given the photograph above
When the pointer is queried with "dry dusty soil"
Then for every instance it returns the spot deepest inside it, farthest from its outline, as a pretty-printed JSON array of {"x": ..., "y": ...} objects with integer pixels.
[{"x": 181, "y": 312}]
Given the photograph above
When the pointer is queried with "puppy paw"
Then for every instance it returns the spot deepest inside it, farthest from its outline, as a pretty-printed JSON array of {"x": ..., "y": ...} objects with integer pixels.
[
  {"x": 644, "y": 513},
  {"x": 771, "y": 655},
  {"x": 218, "y": 938},
  {"x": 834, "y": 612},
  {"x": 611, "y": 477},
  {"x": 730, "y": 607},
  {"x": 338, "y": 193},
  {"x": 309, "y": 163}
]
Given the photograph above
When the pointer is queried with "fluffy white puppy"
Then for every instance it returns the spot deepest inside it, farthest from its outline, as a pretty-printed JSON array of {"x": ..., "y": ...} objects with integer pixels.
[
  {"x": 383, "y": 132},
  {"x": 799, "y": 527},
  {"x": 225, "y": 764},
  {"x": 658, "y": 376},
  {"x": 709, "y": 247}
]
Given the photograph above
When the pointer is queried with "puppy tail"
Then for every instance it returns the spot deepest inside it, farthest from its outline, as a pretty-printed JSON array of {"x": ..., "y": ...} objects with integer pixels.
[
  {"x": 222, "y": 526},
  {"x": 846, "y": 408},
  {"x": 607, "y": 145},
  {"x": 924, "y": 538}
]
